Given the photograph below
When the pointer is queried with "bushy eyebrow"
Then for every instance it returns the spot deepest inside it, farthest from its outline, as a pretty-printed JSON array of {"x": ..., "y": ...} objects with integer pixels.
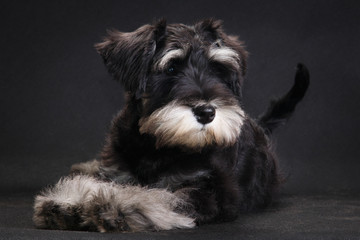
[
  {"x": 168, "y": 56},
  {"x": 222, "y": 54},
  {"x": 225, "y": 55}
]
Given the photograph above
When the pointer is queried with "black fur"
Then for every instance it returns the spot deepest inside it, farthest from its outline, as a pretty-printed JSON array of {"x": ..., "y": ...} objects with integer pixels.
[
  {"x": 243, "y": 176},
  {"x": 281, "y": 109},
  {"x": 219, "y": 181}
]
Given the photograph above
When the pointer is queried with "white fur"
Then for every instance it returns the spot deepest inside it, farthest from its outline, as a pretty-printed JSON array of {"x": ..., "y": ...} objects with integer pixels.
[
  {"x": 168, "y": 56},
  {"x": 175, "y": 124},
  {"x": 225, "y": 55},
  {"x": 142, "y": 208}
]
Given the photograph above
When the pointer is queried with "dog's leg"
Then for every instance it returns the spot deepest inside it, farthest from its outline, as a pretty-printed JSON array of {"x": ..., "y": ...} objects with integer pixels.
[
  {"x": 212, "y": 195},
  {"x": 95, "y": 169},
  {"x": 217, "y": 200},
  {"x": 84, "y": 203}
]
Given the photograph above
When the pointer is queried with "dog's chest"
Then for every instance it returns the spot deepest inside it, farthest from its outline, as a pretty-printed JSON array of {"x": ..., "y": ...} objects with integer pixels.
[{"x": 170, "y": 169}]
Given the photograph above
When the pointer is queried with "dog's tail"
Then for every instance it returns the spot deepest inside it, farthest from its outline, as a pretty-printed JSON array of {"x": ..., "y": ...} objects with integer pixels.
[{"x": 281, "y": 109}]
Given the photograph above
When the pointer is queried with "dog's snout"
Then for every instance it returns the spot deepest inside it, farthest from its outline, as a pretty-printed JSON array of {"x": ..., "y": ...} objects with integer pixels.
[{"x": 204, "y": 114}]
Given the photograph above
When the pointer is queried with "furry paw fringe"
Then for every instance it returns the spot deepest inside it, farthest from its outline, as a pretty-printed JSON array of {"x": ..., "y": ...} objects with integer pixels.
[{"x": 84, "y": 203}]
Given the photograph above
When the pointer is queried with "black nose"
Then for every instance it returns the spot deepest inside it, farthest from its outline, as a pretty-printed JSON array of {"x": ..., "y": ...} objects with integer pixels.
[{"x": 204, "y": 114}]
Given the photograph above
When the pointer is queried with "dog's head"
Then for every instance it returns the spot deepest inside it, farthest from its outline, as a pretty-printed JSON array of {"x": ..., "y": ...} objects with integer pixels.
[{"x": 188, "y": 78}]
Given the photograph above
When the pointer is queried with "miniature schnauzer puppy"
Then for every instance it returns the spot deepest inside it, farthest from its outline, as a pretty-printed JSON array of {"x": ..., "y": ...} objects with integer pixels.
[{"x": 182, "y": 152}]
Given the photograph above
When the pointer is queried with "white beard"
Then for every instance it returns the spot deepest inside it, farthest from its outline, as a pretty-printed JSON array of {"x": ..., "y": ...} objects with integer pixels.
[{"x": 175, "y": 125}]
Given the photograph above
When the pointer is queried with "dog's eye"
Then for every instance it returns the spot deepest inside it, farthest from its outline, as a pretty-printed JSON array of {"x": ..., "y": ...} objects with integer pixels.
[
  {"x": 171, "y": 70},
  {"x": 173, "y": 67}
]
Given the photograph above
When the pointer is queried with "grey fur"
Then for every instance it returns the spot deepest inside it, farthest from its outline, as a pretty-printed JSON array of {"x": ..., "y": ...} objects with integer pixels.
[
  {"x": 83, "y": 202},
  {"x": 90, "y": 168}
]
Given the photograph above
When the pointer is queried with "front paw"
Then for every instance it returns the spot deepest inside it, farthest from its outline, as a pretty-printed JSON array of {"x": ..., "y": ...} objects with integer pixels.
[
  {"x": 85, "y": 203},
  {"x": 104, "y": 215},
  {"x": 51, "y": 215}
]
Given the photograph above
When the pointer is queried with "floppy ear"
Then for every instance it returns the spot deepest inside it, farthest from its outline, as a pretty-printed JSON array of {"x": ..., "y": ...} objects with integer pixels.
[{"x": 128, "y": 55}]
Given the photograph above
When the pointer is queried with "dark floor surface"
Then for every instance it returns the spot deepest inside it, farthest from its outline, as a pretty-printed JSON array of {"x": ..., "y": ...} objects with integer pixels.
[{"x": 292, "y": 217}]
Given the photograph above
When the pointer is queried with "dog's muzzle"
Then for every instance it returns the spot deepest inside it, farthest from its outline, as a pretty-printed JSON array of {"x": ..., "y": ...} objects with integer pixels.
[
  {"x": 195, "y": 126},
  {"x": 204, "y": 114}
]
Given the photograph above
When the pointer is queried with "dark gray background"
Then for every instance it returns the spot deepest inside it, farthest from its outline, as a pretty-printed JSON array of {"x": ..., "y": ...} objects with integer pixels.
[{"x": 57, "y": 99}]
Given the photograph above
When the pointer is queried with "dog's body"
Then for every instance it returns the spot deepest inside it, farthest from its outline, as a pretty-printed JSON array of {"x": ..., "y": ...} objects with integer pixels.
[{"x": 182, "y": 151}]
